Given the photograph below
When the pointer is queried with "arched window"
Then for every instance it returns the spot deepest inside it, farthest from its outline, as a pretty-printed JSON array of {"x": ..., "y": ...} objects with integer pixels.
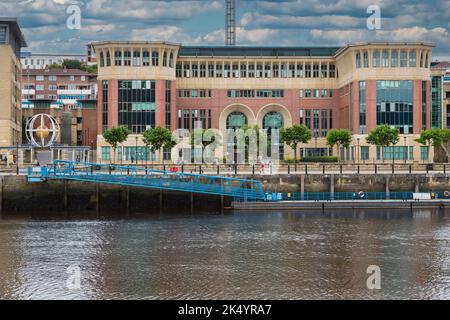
[
  {"x": 358, "y": 59},
  {"x": 274, "y": 121},
  {"x": 171, "y": 59},
  {"x": 366, "y": 59},
  {"x": 165, "y": 59},
  {"x": 108, "y": 59},
  {"x": 421, "y": 59},
  {"x": 102, "y": 59},
  {"x": 426, "y": 61},
  {"x": 236, "y": 120}
]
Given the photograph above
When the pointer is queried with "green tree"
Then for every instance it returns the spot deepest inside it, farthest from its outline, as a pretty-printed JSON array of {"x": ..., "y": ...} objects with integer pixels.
[
  {"x": 157, "y": 138},
  {"x": 207, "y": 138},
  {"x": 436, "y": 138},
  {"x": 339, "y": 137},
  {"x": 295, "y": 135},
  {"x": 115, "y": 136},
  {"x": 384, "y": 136}
]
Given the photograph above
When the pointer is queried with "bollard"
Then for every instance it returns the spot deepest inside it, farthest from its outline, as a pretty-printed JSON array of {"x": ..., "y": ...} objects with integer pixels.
[{"x": 289, "y": 169}]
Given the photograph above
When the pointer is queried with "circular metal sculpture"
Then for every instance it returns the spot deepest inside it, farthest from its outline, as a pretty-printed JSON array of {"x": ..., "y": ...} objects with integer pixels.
[{"x": 42, "y": 130}]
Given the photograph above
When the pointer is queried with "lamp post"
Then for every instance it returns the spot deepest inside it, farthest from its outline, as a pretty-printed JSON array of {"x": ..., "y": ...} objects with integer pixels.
[
  {"x": 136, "y": 153},
  {"x": 406, "y": 149},
  {"x": 358, "y": 153}
]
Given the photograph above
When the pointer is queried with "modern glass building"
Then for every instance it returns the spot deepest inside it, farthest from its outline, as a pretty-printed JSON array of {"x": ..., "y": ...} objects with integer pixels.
[{"x": 358, "y": 86}]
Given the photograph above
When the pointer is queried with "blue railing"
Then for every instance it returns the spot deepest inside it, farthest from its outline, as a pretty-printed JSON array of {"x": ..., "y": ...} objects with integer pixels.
[{"x": 149, "y": 178}]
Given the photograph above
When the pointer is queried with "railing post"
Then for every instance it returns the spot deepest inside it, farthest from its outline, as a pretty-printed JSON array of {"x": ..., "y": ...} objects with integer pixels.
[
  {"x": 92, "y": 170},
  {"x": 323, "y": 169},
  {"x": 358, "y": 168},
  {"x": 426, "y": 168},
  {"x": 445, "y": 169},
  {"x": 393, "y": 166},
  {"x": 306, "y": 169},
  {"x": 376, "y": 169},
  {"x": 410, "y": 169},
  {"x": 128, "y": 171},
  {"x": 110, "y": 169},
  {"x": 164, "y": 167},
  {"x": 182, "y": 168},
  {"x": 253, "y": 169},
  {"x": 218, "y": 169},
  {"x": 289, "y": 169},
  {"x": 340, "y": 168},
  {"x": 235, "y": 169},
  {"x": 200, "y": 169}
]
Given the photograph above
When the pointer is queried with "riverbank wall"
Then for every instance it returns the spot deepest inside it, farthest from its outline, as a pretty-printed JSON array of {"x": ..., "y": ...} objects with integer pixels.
[{"x": 18, "y": 196}]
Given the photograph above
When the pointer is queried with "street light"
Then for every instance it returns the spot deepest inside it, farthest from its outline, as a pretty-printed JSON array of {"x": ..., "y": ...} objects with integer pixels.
[
  {"x": 136, "y": 153},
  {"x": 358, "y": 154},
  {"x": 406, "y": 149}
]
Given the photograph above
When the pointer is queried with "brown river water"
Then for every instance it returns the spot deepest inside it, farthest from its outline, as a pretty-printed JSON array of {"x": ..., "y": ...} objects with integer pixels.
[{"x": 252, "y": 255}]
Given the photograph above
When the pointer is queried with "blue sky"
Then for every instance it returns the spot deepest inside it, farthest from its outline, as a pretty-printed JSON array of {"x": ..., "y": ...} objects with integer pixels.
[{"x": 201, "y": 22}]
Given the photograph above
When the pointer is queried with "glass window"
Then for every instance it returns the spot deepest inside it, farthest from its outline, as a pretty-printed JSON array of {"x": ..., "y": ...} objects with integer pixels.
[
  {"x": 376, "y": 58},
  {"x": 171, "y": 59},
  {"x": 299, "y": 70},
  {"x": 137, "y": 58},
  {"x": 424, "y": 153},
  {"x": 106, "y": 153},
  {"x": 127, "y": 58},
  {"x": 118, "y": 58},
  {"x": 364, "y": 153},
  {"x": 332, "y": 70},
  {"x": 385, "y": 58},
  {"x": 307, "y": 70},
  {"x": 403, "y": 58},
  {"x": 394, "y": 58},
  {"x": 165, "y": 59},
  {"x": 155, "y": 58},
  {"x": 358, "y": 60},
  {"x": 2, "y": 34},
  {"x": 146, "y": 58},
  {"x": 412, "y": 58},
  {"x": 366, "y": 59},
  {"x": 243, "y": 70},
  {"x": 315, "y": 71}
]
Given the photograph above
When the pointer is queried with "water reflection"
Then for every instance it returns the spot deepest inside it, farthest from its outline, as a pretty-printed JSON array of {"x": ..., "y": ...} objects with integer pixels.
[{"x": 243, "y": 255}]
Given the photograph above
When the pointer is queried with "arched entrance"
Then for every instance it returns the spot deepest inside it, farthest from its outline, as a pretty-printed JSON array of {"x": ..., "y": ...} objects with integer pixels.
[
  {"x": 235, "y": 121},
  {"x": 273, "y": 120}
]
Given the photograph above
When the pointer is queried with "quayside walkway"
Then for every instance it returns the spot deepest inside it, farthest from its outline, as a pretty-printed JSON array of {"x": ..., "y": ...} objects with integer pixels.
[{"x": 243, "y": 189}]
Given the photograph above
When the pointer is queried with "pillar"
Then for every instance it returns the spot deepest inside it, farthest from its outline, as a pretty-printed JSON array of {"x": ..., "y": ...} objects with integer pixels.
[
  {"x": 302, "y": 187},
  {"x": 387, "y": 188},
  {"x": 332, "y": 186}
]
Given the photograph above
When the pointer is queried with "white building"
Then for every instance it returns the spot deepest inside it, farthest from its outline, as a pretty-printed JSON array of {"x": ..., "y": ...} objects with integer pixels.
[{"x": 41, "y": 61}]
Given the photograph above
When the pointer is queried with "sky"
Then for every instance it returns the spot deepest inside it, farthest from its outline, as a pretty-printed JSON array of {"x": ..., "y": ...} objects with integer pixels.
[{"x": 259, "y": 23}]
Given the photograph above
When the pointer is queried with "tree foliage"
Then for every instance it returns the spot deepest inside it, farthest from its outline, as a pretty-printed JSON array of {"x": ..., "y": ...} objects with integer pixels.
[
  {"x": 339, "y": 137},
  {"x": 434, "y": 137},
  {"x": 74, "y": 64},
  {"x": 157, "y": 138},
  {"x": 115, "y": 136},
  {"x": 383, "y": 136},
  {"x": 295, "y": 135}
]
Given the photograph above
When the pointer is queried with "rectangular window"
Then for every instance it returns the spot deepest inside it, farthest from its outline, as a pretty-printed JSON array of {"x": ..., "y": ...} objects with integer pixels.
[
  {"x": 211, "y": 70},
  {"x": 364, "y": 153},
  {"x": 51, "y": 78},
  {"x": 385, "y": 58},
  {"x": 251, "y": 70},
  {"x": 324, "y": 70},
  {"x": 316, "y": 123},
  {"x": 424, "y": 153},
  {"x": 219, "y": 70},
  {"x": 424, "y": 105},
  {"x": 308, "y": 93},
  {"x": 195, "y": 70},
  {"x": 324, "y": 123},
  {"x": 394, "y": 58},
  {"x": 315, "y": 71},
  {"x": 136, "y": 58},
  {"x": 127, "y": 58},
  {"x": 2, "y": 34},
  {"x": 118, "y": 58},
  {"x": 259, "y": 71},
  {"x": 203, "y": 70},
  {"x": 412, "y": 58},
  {"x": 376, "y": 58},
  {"x": 308, "y": 119},
  {"x": 105, "y": 104},
  {"x": 276, "y": 70},
  {"x": 366, "y": 59},
  {"x": 403, "y": 58},
  {"x": 307, "y": 71},
  {"x": 226, "y": 70},
  {"x": 155, "y": 58},
  {"x": 291, "y": 70},
  {"x": 106, "y": 153},
  {"x": 299, "y": 70},
  {"x": 39, "y": 78},
  {"x": 168, "y": 105},
  {"x": 146, "y": 58},
  {"x": 362, "y": 107},
  {"x": 332, "y": 71},
  {"x": 243, "y": 70},
  {"x": 411, "y": 153}
]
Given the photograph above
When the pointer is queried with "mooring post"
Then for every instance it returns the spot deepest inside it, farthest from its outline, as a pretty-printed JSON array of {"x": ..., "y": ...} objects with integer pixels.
[
  {"x": 302, "y": 187},
  {"x": 388, "y": 196},
  {"x": 1, "y": 196}
]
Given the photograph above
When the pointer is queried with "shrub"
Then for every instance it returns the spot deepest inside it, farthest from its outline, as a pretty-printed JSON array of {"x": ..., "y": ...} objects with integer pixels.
[{"x": 319, "y": 159}]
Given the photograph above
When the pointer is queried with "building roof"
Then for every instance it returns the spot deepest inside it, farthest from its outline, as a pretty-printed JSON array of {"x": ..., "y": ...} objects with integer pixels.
[
  {"x": 440, "y": 65},
  {"x": 239, "y": 51},
  {"x": 25, "y": 54},
  {"x": 15, "y": 28},
  {"x": 56, "y": 72}
]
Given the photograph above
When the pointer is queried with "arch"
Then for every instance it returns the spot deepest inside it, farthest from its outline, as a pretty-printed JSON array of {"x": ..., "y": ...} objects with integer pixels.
[
  {"x": 236, "y": 122},
  {"x": 287, "y": 118},
  {"x": 236, "y": 107}
]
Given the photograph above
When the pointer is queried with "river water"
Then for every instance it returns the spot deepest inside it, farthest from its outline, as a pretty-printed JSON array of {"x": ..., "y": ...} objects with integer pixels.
[{"x": 232, "y": 256}]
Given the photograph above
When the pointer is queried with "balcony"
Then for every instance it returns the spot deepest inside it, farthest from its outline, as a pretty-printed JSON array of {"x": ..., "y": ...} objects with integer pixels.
[
  {"x": 28, "y": 92},
  {"x": 74, "y": 92}
]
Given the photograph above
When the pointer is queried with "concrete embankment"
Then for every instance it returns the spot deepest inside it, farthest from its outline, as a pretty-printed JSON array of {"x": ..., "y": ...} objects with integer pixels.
[
  {"x": 18, "y": 196},
  {"x": 340, "y": 204}
]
